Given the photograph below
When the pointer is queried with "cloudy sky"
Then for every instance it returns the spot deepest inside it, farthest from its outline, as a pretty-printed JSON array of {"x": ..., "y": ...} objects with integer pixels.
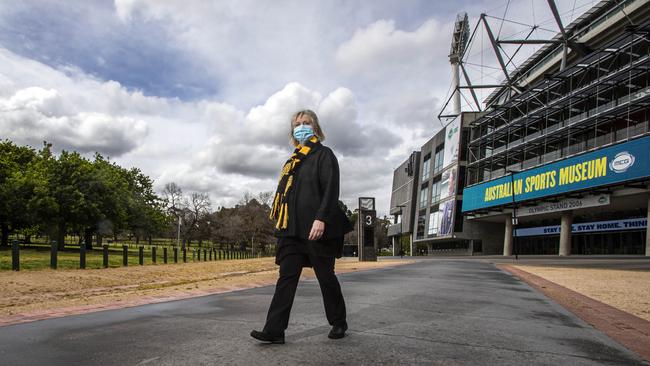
[{"x": 200, "y": 92}]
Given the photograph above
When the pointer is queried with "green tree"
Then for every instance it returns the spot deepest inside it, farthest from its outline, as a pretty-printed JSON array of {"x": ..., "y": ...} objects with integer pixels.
[
  {"x": 146, "y": 215},
  {"x": 15, "y": 188}
]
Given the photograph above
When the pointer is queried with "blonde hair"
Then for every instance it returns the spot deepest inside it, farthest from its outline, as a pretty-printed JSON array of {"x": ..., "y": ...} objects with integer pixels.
[{"x": 314, "y": 125}]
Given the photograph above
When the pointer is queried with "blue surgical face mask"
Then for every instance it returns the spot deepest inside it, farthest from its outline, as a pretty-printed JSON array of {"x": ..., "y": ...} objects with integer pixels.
[{"x": 302, "y": 133}]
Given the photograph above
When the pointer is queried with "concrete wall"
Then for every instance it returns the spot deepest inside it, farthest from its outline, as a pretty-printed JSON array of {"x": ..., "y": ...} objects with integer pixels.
[{"x": 490, "y": 234}]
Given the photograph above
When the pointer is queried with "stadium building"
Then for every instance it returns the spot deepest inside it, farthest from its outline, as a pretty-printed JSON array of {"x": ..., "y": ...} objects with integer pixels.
[{"x": 558, "y": 161}]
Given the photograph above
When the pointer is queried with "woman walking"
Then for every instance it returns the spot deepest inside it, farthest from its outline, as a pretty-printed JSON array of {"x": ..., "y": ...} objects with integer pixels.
[{"x": 310, "y": 226}]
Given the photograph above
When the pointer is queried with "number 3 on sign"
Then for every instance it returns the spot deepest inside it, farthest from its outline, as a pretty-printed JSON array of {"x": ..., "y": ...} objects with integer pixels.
[{"x": 368, "y": 220}]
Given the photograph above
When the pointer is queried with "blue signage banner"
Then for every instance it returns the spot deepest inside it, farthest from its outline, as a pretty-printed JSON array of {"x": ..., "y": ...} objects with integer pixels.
[
  {"x": 614, "y": 164},
  {"x": 587, "y": 227}
]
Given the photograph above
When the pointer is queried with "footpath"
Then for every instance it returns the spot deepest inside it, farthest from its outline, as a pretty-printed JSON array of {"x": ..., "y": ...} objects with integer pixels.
[{"x": 433, "y": 312}]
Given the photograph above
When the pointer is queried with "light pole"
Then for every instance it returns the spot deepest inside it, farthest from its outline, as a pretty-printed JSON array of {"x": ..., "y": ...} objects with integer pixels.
[
  {"x": 401, "y": 228},
  {"x": 207, "y": 222},
  {"x": 178, "y": 234},
  {"x": 515, "y": 221}
]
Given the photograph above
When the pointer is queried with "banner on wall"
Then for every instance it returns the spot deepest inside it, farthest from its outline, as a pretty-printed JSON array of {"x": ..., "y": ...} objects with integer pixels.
[
  {"x": 452, "y": 142},
  {"x": 639, "y": 223},
  {"x": 448, "y": 183},
  {"x": 446, "y": 217},
  {"x": 614, "y": 164}
]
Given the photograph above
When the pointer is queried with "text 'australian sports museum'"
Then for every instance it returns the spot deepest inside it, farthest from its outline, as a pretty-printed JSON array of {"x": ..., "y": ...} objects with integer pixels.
[{"x": 558, "y": 161}]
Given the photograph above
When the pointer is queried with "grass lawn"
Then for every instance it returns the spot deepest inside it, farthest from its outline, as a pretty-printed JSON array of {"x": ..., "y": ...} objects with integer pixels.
[{"x": 38, "y": 258}]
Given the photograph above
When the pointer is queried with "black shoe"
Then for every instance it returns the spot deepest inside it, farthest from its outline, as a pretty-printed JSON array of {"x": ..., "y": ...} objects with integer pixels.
[
  {"x": 338, "y": 331},
  {"x": 265, "y": 337}
]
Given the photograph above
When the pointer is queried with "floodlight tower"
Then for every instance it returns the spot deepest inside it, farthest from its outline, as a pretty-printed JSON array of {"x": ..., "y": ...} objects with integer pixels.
[{"x": 458, "y": 43}]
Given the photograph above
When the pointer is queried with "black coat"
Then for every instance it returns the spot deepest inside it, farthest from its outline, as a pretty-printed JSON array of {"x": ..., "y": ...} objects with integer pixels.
[{"x": 315, "y": 196}]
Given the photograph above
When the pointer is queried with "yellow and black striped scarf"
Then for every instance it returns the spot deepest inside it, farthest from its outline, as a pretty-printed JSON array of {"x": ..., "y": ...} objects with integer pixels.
[{"x": 280, "y": 208}]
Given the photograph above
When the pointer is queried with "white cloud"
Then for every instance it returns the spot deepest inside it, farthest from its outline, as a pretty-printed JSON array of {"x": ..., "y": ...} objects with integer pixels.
[
  {"x": 207, "y": 145},
  {"x": 375, "y": 76},
  {"x": 34, "y": 114},
  {"x": 381, "y": 50}
]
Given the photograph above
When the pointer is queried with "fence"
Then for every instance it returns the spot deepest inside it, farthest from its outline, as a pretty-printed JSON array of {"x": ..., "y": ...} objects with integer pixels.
[{"x": 169, "y": 254}]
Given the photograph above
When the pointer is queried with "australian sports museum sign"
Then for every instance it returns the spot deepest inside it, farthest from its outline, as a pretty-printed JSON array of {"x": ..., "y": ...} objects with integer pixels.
[{"x": 614, "y": 164}]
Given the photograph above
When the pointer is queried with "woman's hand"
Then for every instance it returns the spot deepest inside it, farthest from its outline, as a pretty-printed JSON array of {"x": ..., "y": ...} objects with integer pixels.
[{"x": 317, "y": 230}]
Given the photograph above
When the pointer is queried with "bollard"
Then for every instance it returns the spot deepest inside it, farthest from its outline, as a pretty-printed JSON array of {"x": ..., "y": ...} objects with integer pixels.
[
  {"x": 219, "y": 255},
  {"x": 53, "y": 254},
  {"x": 125, "y": 255},
  {"x": 184, "y": 255},
  {"x": 193, "y": 255},
  {"x": 165, "y": 255},
  {"x": 210, "y": 255},
  {"x": 141, "y": 255},
  {"x": 105, "y": 255},
  {"x": 153, "y": 254},
  {"x": 205, "y": 255},
  {"x": 175, "y": 255},
  {"x": 82, "y": 256},
  {"x": 15, "y": 256}
]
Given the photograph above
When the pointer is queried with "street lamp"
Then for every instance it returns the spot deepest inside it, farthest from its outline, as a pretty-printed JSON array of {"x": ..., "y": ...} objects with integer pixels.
[
  {"x": 401, "y": 228},
  {"x": 178, "y": 235},
  {"x": 175, "y": 211},
  {"x": 515, "y": 220},
  {"x": 207, "y": 222}
]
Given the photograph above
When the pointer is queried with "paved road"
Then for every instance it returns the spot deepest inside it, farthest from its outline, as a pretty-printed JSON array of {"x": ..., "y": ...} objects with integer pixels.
[{"x": 434, "y": 312}]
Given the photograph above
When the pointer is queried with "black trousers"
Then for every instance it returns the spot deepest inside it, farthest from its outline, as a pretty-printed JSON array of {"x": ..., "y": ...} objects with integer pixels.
[{"x": 291, "y": 265}]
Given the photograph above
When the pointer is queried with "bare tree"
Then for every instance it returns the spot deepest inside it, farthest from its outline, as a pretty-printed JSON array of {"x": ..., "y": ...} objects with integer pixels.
[
  {"x": 173, "y": 197},
  {"x": 200, "y": 204},
  {"x": 198, "y": 208},
  {"x": 247, "y": 197},
  {"x": 266, "y": 198}
]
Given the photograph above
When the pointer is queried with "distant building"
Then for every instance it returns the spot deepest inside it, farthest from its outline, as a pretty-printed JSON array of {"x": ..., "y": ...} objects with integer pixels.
[
  {"x": 569, "y": 137},
  {"x": 431, "y": 196},
  {"x": 559, "y": 162},
  {"x": 402, "y": 203}
]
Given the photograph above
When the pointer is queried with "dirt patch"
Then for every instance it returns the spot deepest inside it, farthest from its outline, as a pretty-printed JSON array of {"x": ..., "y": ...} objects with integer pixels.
[
  {"x": 630, "y": 330},
  {"x": 33, "y": 295},
  {"x": 625, "y": 290}
]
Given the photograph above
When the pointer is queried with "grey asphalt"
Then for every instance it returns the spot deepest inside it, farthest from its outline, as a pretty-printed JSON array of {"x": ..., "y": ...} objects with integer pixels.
[{"x": 433, "y": 312}]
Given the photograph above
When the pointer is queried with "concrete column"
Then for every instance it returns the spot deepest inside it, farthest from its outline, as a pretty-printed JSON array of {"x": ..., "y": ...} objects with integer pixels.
[
  {"x": 565, "y": 233},
  {"x": 507, "y": 239},
  {"x": 647, "y": 232}
]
